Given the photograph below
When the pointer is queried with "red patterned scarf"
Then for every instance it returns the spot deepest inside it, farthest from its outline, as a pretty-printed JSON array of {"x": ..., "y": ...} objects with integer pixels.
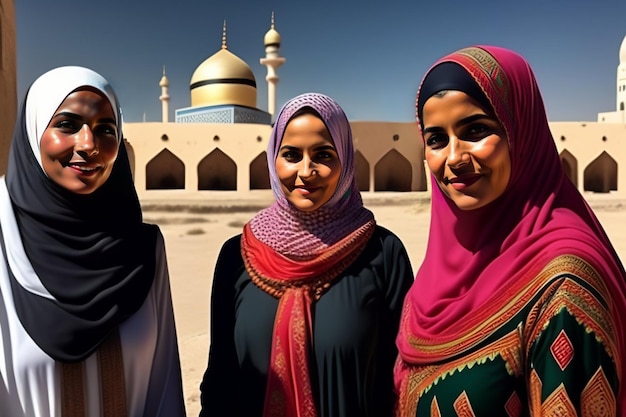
[{"x": 297, "y": 284}]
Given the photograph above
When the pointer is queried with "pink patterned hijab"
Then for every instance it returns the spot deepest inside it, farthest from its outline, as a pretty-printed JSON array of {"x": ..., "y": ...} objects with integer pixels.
[
  {"x": 298, "y": 234},
  {"x": 473, "y": 256}
]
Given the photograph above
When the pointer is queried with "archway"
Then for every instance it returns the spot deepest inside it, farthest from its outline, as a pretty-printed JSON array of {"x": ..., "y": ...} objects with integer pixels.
[
  {"x": 259, "y": 173},
  {"x": 217, "y": 171},
  {"x": 165, "y": 172},
  {"x": 362, "y": 171},
  {"x": 392, "y": 173},
  {"x": 601, "y": 174},
  {"x": 570, "y": 166}
]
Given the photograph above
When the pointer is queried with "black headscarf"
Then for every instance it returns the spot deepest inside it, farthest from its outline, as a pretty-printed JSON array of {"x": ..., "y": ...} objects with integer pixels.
[{"x": 92, "y": 253}]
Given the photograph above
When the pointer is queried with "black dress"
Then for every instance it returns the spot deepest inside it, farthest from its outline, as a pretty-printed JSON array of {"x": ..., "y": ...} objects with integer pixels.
[{"x": 354, "y": 329}]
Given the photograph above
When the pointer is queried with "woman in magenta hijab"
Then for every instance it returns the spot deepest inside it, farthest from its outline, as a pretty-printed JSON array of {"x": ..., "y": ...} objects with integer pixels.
[
  {"x": 306, "y": 301},
  {"x": 519, "y": 307}
]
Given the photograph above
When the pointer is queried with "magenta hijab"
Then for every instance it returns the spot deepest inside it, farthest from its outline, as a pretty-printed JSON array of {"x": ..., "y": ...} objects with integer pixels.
[
  {"x": 474, "y": 256},
  {"x": 298, "y": 234}
]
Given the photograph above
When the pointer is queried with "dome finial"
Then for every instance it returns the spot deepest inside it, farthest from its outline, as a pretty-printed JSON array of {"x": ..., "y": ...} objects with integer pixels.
[
  {"x": 164, "y": 70},
  {"x": 272, "y": 26},
  {"x": 224, "y": 36}
]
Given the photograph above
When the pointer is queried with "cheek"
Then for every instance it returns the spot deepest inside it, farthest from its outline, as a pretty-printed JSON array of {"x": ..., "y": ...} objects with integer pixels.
[
  {"x": 434, "y": 161},
  {"x": 282, "y": 170},
  {"x": 53, "y": 147},
  {"x": 109, "y": 153}
]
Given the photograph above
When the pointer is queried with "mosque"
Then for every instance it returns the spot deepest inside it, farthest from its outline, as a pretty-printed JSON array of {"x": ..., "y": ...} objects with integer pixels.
[{"x": 218, "y": 143}]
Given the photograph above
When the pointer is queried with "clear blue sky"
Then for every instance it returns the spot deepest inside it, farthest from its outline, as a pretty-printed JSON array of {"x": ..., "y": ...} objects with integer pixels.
[{"x": 368, "y": 55}]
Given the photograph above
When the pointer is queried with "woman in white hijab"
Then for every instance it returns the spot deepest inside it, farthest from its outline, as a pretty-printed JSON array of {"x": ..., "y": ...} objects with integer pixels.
[{"x": 86, "y": 319}]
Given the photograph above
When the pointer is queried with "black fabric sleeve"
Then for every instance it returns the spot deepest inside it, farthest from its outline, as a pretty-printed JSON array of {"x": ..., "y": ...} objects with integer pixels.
[
  {"x": 219, "y": 390},
  {"x": 397, "y": 279}
]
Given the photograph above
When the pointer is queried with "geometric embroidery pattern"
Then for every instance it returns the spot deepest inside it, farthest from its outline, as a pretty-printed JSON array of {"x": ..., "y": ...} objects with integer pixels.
[
  {"x": 562, "y": 350},
  {"x": 597, "y": 398},
  {"x": 558, "y": 404},
  {"x": 434, "y": 408},
  {"x": 463, "y": 407},
  {"x": 534, "y": 391},
  {"x": 513, "y": 406}
]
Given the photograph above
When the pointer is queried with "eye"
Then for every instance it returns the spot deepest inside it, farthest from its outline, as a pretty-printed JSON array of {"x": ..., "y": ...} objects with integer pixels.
[
  {"x": 106, "y": 129},
  {"x": 477, "y": 131},
  {"x": 436, "y": 140},
  {"x": 325, "y": 155},
  {"x": 291, "y": 155},
  {"x": 67, "y": 125}
]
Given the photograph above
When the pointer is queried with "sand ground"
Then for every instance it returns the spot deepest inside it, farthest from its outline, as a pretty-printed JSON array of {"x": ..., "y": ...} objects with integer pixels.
[{"x": 194, "y": 230}]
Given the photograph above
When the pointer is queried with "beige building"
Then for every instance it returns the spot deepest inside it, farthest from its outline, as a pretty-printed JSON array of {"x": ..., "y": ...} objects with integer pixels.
[
  {"x": 8, "y": 79},
  {"x": 219, "y": 142}
]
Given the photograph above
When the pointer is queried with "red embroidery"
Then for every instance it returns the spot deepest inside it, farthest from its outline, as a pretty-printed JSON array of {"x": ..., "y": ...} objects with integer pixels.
[
  {"x": 513, "y": 406},
  {"x": 562, "y": 350}
]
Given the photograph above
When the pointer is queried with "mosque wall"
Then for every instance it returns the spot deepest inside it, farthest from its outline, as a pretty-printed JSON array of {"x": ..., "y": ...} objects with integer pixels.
[
  {"x": 8, "y": 79},
  {"x": 231, "y": 157}
]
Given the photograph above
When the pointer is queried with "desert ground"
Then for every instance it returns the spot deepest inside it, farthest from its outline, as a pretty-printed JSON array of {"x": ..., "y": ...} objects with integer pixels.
[{"x": 195, "y": 228}]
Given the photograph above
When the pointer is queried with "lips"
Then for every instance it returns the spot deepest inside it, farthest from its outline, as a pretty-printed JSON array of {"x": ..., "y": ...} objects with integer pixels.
[
  {"x": 463, "y": 181},
  {"x": 83, "y": 169},
  {"x": 307, "y": 190}
]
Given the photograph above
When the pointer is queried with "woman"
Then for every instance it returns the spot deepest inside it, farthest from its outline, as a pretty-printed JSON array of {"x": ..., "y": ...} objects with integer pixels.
[
  {"x": 519, "y": 306},
  {"x": 306, "y": 302},
  {"x": 86, "y": 320}
]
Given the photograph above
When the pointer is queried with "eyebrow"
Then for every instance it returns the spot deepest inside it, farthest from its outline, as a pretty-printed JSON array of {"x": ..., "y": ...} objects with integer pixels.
[
  {"x": 74, "y": 116},
  {"x": 318, "y": 148},
  {"x": 462, "y": 122}
]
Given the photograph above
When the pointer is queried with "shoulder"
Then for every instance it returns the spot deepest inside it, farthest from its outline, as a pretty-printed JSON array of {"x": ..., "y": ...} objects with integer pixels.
[
  {"x": 232, "y": 245},
  {"x": 570, "y": 283},
  {"x": 230, "y": 254},
  {"x": 387, "y": 239},
  {"x": 574, "y": 271}
]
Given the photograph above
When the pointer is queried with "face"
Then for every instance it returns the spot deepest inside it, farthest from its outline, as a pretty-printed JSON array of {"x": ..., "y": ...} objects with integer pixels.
[
  {"x": 307, "y": 163},
  {"x": 80, "y": 144},
  {"x": 466, "y": 149}
]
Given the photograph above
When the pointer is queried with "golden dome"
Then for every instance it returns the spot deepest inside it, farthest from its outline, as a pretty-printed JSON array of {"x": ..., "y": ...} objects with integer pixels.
[
  {"x": 223, "y": 79},
  {"x": 164, "y": 81},
  {"x": 272, "y": 37}
]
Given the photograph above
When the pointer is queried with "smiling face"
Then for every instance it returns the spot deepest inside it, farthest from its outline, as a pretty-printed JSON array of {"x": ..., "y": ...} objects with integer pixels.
[
  {"x": 80, "y": 144},
  {"x": 307, "y": 164},
  {"x": 466, "y": 150}
]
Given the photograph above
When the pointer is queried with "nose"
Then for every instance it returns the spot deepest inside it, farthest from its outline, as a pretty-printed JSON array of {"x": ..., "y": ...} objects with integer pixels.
[
  {"x": 307, "y": 167},
  {"x": 458, "y": 154},
  {"x": 85, "y": 141}
]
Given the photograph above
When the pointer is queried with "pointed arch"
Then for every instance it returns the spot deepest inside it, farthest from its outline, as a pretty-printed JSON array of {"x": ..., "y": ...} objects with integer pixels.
[
  {"x": 217, "y": 171},
  {"x": 165, "y": 172},
  {"x": 259, "y": 173},
  {"x": 130, "y": 151},
  {"x": 600, "y": 176},
  {"x": 570, "y": 166},
  {"x": 361, "y": 171},
  {"x": 392, "y": 173}
]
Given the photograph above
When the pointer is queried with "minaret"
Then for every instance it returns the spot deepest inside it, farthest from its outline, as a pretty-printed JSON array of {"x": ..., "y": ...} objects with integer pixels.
[
  {"x": 165, "y": 97},
  {"x": 621, "y": 82},
  {"x": 272, "y": 61}
]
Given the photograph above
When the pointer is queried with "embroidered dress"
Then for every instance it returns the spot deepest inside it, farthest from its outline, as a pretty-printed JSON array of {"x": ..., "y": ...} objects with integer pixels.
[
  {"x": 305, "y": 305},
  {"x": 518, "y": 308}
]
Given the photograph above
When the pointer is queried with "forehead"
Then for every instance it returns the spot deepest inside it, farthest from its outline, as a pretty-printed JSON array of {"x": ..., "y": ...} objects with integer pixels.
[
  {"x": 85, "y": 100},
  {"x": 448, "y": 105},
  {"x": 305, "y": 127}
]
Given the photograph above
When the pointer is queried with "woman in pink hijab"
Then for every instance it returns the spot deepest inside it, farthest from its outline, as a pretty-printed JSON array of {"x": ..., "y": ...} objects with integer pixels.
[{"x": 520, "y": 304}]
